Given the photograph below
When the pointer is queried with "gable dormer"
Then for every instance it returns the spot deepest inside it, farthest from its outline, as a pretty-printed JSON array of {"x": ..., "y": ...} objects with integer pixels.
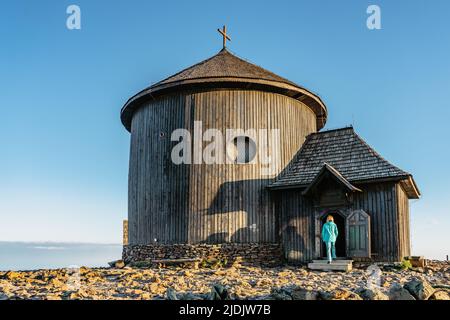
[{"x": 330, "y": 188}]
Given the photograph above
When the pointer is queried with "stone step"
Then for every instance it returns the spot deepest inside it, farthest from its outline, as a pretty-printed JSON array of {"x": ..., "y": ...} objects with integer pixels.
[
  {"x": 334, "y": 261},
  {"x": 330, "y": 267},
  {"x": 334, "y": 266}
]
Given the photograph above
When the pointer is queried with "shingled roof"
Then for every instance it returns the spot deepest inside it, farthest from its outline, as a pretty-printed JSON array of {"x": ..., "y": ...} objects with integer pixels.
[
  {"x": 225, "y": 70},
  {"x": 347, "y": 153}
]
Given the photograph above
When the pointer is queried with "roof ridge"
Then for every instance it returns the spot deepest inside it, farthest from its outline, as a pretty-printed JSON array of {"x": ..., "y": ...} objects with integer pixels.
[{"x": 332, "y": 130}]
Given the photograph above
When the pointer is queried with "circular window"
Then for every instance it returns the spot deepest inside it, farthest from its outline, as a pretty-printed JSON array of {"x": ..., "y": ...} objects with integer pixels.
[{"x": 242, "y": 149}]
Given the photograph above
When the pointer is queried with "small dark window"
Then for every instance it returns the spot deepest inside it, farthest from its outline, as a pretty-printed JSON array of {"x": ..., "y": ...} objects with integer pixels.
[{"x": 244, "y": 149}]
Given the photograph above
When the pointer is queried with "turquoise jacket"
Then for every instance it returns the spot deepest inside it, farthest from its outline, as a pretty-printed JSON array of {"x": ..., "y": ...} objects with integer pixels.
[{"x": 329, "y": 232}]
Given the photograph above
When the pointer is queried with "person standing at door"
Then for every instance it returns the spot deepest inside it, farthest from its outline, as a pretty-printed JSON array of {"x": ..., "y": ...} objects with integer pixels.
[{"x": 329, "y": 236}]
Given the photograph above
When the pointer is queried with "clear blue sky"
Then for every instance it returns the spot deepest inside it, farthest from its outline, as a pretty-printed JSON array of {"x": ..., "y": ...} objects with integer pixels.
[{"x": 64, "y": 152}]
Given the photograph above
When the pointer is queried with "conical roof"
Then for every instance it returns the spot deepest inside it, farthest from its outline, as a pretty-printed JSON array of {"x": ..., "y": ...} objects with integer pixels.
[
  {"x": 224, "y": 64},
  {"x": 226, "y": 70}
]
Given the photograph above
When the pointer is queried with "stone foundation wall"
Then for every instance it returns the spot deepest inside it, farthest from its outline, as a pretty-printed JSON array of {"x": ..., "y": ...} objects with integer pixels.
[{"x": 257, "y": 254}]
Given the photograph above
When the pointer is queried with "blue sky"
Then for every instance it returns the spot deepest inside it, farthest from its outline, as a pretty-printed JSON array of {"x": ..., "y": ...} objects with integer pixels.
[{"x": 64, "y": 152}]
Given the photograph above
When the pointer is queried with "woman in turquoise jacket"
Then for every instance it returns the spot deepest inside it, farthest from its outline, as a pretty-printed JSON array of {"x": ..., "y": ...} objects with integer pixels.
[{"x": 329, "y": 236}]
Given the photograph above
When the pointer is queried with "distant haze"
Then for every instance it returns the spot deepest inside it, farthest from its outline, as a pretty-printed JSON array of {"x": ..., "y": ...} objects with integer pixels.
[{"x": 53, "y": 255}]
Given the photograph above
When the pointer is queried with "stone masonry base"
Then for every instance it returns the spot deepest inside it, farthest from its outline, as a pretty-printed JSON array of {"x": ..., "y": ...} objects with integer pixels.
[{"x": 257, "y": 254}]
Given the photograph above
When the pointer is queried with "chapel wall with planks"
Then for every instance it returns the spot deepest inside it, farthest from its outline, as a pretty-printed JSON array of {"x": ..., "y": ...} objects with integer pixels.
[
  {"x": 380, "y": 201},
  {"x": 297, "y": 223},
  {"x": 216, "y": 203},
  {"x": 386, "y": 203}
]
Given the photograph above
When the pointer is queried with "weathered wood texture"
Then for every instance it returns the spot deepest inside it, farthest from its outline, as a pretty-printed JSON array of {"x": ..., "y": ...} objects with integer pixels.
[
  {"x": 379, "y": 200},
  {"x": 404, "y": 222},
  {"x": 297, "y": 223},
  {"x": 208, "y": 203},
  {"x": 358, "y": 234},
  {"x": 155, "y": 186}
]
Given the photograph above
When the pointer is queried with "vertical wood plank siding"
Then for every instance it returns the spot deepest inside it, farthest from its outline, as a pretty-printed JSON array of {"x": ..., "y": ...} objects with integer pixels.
[
  {"x": 379, "y": 200},
  {"x": 386, "y": 203},
  {"x": 296, "y": 225},
  {"x": 404, "y": 222},
  {"x": 155, "y": 187},
  {"x": 208, "y": 203}
]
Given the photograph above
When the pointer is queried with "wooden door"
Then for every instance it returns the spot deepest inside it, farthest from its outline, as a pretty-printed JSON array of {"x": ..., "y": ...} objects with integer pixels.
[{"x": 358, "y": 234}]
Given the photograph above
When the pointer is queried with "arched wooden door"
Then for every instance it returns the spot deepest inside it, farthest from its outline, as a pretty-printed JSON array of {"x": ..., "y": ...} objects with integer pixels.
[{"x": 358, "y": 234}]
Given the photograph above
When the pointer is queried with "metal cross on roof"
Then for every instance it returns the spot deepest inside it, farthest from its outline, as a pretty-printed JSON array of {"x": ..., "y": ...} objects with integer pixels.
[{"x": 223, "y": 32}]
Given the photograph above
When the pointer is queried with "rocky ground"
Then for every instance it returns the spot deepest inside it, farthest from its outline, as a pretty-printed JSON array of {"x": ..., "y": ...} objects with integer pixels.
[{"x": 235, "y": 282}]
